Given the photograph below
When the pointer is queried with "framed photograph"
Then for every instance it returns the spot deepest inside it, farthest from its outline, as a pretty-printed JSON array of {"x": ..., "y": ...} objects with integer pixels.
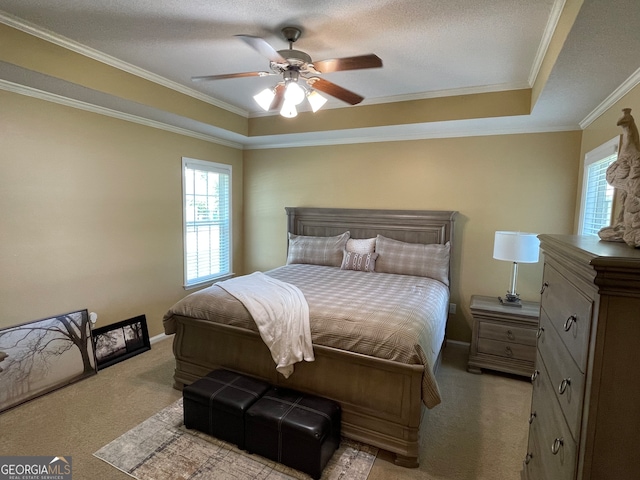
[
  {"x": 41, "y": 356},
  {"x": 121, "y": 340}
]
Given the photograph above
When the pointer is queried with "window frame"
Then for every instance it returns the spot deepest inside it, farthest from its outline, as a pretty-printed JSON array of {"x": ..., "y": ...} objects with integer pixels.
[
  {"x": 598, "y": 154},
  {"x": 220, "y": 168}
]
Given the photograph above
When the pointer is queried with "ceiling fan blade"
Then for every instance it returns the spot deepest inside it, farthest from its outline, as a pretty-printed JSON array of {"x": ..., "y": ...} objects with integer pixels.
[
  {"x": 348, "y": 63},
  {"x": 261, "y": 46},
  {"x": 230, "y": 75},
  {"x": 276, "y": 104},
  {"x": 334, "y": 90}
]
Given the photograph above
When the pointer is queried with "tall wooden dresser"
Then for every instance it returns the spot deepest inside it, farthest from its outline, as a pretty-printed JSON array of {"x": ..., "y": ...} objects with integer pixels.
[{"x": 585, "y": 410}]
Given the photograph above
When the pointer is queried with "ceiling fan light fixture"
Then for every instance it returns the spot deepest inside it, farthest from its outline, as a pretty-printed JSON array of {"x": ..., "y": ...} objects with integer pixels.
[
  {"x": 288, "y": 109},
  {"x": 265, "y": 98},
  {"x": 315, "y": 100},
  {"x": 294, "y": 93}
]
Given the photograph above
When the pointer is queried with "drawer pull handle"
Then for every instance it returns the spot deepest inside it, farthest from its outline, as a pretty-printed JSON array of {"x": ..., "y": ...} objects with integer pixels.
[
  {"x": 509, "y": 352},
  {"x": 510, "y": 335},
  {"x": 570, "y": 321},
  {"x": 528, "y": 458},
  {"x": 539, "y": 332},
  {"x": 534, "y": 375},
  {"x": 544, "y": 287},
  {"x": 563, "y": 386},
  {"x": 532, "y": 417},
  {"x": 557, "y": 443}
]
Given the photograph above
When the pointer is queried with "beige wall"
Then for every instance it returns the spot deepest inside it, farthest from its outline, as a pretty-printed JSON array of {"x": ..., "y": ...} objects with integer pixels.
[
  {"x": 603, "y": 129},
  {"x": 92, "y": 213},
  {"x": 510, "y": 182},
  {"x": 92, "y": 206}
]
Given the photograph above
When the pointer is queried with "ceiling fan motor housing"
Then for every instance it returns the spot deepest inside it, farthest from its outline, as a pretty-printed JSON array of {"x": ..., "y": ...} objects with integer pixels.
[{"x": 295, "y": 57}]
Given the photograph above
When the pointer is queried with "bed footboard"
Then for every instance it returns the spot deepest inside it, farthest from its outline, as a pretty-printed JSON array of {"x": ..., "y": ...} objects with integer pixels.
[{"x": 381, "y": 399}]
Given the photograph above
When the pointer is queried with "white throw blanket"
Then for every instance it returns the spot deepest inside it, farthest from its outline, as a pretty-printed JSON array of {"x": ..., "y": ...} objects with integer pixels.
[{"x": 281, "y": 313}]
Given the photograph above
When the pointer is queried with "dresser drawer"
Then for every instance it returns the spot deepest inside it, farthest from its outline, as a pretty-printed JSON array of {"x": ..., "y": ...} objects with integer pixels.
[
  {"x": 549, "y": 433},
  {"x": 507, "y": 349},
  {"x": 566, "y": 379},
  {"x": 507, "y": 333},
  {"x": 569, "y": 311}
]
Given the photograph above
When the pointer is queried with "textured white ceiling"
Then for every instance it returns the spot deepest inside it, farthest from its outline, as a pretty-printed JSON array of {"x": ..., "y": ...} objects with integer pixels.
[
  {"x": 425, "y": 45},
  {"x": 428, "y": 47}
]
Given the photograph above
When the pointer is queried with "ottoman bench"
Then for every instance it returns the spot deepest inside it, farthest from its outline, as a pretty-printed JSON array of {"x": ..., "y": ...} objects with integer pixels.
[
  {"x": 299, "y": 430},
  {"x": 216, "y": 404}
]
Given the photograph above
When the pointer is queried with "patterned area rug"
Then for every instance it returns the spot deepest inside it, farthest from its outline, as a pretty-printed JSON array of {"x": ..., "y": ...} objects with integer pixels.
[{"x": 161, "y": 447}]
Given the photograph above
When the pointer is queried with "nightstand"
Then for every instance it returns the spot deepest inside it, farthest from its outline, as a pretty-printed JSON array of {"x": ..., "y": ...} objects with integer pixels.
[{"x": 504, "y": 337}]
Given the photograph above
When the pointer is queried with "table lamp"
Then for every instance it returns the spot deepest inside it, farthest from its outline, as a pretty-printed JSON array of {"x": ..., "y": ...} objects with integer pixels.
[{"x": 516, "y": 247}]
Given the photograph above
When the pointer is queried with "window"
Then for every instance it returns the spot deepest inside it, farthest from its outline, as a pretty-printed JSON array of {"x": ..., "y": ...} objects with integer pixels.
[
  {"x": 206, "y": 188},
  {"x": 597, "y": 194}
]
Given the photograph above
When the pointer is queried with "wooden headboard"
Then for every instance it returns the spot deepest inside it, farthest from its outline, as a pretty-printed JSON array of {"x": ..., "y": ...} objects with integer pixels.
[{"x": 414, "y": 226}]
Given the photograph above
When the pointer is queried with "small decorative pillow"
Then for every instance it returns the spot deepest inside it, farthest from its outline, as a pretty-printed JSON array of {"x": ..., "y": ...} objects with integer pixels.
[
  {"x": 357, "y": 261},
  {"x": 317, "y": 250},
  {"x": 413, "y": 259},
  {"x": 361, "y": 245}
]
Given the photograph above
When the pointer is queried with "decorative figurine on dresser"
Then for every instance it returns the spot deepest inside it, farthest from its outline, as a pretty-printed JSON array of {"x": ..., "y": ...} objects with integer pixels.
[
  {"x": 624, "y": 175},
  {"x": 585, "y": 411}
]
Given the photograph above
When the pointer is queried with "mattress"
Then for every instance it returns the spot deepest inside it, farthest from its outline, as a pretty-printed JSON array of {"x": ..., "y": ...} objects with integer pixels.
[{"x": 401, "y": 318}]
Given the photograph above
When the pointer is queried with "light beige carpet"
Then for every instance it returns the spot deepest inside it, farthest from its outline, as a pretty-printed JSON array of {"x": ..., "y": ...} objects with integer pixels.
[{"x": 477, "y": 433}]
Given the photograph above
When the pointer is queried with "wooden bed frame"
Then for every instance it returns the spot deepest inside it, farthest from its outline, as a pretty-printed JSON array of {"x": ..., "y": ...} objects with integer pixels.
[{"x": 381, "y": 399}]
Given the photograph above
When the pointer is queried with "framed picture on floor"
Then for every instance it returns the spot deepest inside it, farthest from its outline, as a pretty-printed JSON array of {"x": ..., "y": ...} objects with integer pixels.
[
  {"x": 41, "y": 356},
  {"x": 122, "y": 340}
]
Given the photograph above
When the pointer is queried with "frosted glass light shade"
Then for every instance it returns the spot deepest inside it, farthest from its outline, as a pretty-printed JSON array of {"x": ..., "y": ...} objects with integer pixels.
[
  {"x": 517, "y": 247},
  {"x": 316, "y": 100},
  {"x": 288, "y": 109},
  {"x": 265, "y": 98},
  {"x": 294, "y": 93}
]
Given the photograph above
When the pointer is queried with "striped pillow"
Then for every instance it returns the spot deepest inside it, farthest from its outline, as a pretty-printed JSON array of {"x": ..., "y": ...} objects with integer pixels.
[{"x": 357, "y": 261}]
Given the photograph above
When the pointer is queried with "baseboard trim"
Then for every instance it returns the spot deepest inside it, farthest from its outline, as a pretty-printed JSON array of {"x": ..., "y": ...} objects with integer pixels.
[
  {"x": 158, "y": 338},
  {"x": 458, "y": 342}
]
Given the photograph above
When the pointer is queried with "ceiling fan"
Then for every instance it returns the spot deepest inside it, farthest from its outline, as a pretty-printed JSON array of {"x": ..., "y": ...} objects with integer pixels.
[{"x": 293, "y": 66}]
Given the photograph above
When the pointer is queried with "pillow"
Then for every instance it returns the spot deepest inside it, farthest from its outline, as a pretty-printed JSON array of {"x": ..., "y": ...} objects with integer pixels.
[
  {"x": 363, "y": 262},
  {"x": 361, "y": 245},
  {"x": 317, "y": 250},
  {"x": 413, "y": 259}
]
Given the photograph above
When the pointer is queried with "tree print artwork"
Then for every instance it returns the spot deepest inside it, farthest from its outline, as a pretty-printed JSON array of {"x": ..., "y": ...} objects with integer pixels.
[{"x": 41, "y": 356}]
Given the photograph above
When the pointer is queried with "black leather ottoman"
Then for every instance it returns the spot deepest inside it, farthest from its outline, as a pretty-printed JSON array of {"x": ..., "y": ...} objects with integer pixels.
[
  {"x": 216, "y": 404},
  {"x": 298, "y": 430}
]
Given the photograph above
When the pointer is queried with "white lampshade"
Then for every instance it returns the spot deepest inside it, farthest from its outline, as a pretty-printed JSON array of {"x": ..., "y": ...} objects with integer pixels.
[
  {"x": 516, "y": 247},
  {"x": 316, "y": 100},
  {"x": 265, "y": 98}
]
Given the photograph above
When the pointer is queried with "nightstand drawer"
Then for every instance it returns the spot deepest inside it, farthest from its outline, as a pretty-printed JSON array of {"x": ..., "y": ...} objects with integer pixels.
[
  {"x": 506, "y": 349},
  {"x": 506, "y": 333},
  {"x": 570, "y": 313}
]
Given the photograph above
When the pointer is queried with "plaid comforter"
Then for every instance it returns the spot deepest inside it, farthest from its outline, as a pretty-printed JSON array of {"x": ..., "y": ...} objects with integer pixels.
[{"x": 394, "y": 317}]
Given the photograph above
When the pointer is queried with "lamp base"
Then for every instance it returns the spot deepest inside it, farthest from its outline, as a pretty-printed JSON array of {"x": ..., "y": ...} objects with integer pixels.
[{"x": 510, "y": 300}]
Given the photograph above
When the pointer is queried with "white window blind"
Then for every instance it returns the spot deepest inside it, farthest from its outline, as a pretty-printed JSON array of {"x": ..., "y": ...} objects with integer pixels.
[
  {"x": 597, "y": 194},
  {"x": 206, "y": 190}
]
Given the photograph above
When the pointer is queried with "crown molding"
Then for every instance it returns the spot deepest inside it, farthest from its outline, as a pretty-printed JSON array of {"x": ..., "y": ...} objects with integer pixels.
[
  {"x": 550, "y": 28},
  {"x": 626, "y": 86},
  {"x": 52, "y": 37},
  {"x": 70, "y": 102}
]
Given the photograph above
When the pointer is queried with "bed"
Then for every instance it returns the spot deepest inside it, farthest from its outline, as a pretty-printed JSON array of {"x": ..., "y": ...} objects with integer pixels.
[{"x": 383, "y": 391}]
